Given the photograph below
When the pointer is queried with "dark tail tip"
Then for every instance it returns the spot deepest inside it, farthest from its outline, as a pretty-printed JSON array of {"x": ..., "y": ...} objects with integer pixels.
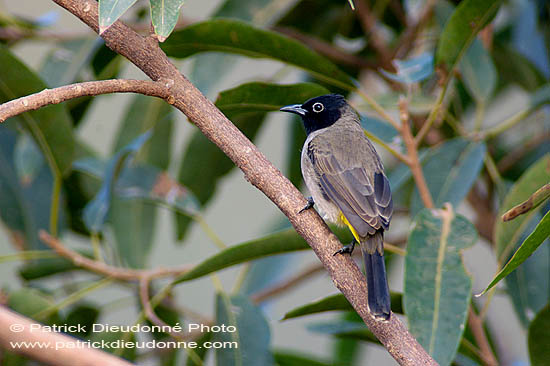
[{"x": 378, "y": 294}]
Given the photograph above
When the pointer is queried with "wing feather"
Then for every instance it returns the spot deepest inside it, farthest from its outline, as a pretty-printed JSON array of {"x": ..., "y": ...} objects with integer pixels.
[{"x": 354, "y": 182}]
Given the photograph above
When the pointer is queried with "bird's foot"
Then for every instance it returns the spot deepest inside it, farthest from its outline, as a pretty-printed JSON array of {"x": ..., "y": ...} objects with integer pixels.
[
  {"x": 310, "y": 204},
  {"x": 347, "y": 249}
]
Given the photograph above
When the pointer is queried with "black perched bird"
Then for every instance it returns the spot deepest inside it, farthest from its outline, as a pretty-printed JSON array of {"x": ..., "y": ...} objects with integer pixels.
[{"x": 346, "y": 179}]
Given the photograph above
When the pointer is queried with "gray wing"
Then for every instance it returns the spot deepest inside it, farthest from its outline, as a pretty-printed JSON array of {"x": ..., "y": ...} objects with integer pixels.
[{"x": 353, "y": 178}]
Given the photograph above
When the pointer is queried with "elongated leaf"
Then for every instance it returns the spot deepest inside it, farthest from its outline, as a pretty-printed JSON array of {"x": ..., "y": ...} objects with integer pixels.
[
  {"x": 540, "y": 96},
  {"x": 478, "y": 72},
  {"x": 67, "y": 60},
  {"x": 412, "y": 70},
  {"x": 469, "y": 17},
  {"x": 539, "y": 338},
  {"x": 252, "y": 335},
  {"x": 133, "y": 221},
  {"x": 286, "y": 358},
  {"x": 209, "y": 69},
  {"x": 507, "y": 234},
  {"x": 110, "y": 11},
  {"x": 30, "y": 301},
  {"x": 200, "y": 351},
  {"x": 164, "y": 15},
  {"x": 246, "y": 106},
  {"x": 336, "y": 303},
  {"x": 48, "y": 267},
  {"x": 513, "y": 67},
  {"x": 24, "y": 206},
  {"x": 28, "y": 159},
  {"x": 281, "y": 242},
  {"x": 537, "y": 237},
  {"x": 437, "y": 286},
  {"x": 240, "y": 38},
  {"x": 259, "y": 96},
  {"x": 96, "y": 211},
  {"x": 450, "y": 171},
  {"x": 50, "y": 127},
  {"x": 354, "y": 330}
]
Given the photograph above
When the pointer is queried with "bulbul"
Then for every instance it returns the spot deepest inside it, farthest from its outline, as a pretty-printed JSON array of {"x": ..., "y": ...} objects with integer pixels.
[{"x": 347, "y": 183}]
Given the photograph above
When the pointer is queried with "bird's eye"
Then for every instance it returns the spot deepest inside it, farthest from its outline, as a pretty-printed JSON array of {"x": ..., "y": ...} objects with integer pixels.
[{"x": 318, "y": 107}]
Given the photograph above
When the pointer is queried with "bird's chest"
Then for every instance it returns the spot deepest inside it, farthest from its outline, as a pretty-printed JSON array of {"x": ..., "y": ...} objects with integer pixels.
[{"x": 328, "y": 210}]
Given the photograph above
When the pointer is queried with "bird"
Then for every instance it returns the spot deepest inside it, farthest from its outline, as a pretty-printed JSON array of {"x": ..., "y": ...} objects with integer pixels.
[{"x": 345, "y": 177}]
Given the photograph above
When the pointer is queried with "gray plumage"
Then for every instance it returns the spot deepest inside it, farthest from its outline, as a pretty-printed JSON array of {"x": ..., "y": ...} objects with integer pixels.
[{"x": 345, "y": 176}]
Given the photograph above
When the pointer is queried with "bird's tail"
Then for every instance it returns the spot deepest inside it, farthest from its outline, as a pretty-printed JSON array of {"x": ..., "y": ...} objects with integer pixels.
[{"x": 378, "y": 294}]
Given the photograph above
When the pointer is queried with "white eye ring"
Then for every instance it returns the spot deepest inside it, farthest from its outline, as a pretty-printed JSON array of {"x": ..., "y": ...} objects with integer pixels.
[{"x": 318, "y": 107}]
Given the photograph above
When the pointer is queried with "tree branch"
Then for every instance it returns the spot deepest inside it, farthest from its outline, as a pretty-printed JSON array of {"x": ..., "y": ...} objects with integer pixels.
[
  {"x": 146, "y": 55},
  {"x": 90, "y": 88},
  {"x": 61, "y": 350},
  {"x": 412, "y": 152},
  {"x": 125, "y": 274}
]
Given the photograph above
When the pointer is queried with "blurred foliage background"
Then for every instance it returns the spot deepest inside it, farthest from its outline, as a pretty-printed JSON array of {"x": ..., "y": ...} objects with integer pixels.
[{"x": 138, "y": 187}]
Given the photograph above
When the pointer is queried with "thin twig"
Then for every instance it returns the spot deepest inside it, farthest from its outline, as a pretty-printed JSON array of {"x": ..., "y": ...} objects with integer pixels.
[
  {"x": 90, "y": 88},
  {"x": 335, "y": 53},
  {"x": 406, "y": 40},
  {"x": 125, "y": 274},
  {"x": 412, "y": 152},
  {"x": 368, "y": 23},
  {"x": 287, "y": 284},
  {"x": 476, "y": 326}
]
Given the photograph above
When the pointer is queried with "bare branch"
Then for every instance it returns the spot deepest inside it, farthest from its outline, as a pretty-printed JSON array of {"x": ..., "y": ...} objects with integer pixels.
[
  {"x": 368, "y": 22},
  {"x": 62, "y": 350},
  {"x": 412, "y": 152},
  {"x": 485, "y": 351},
  {"x": 125, "y": 274},
  {"x": 90, "y": 88}
]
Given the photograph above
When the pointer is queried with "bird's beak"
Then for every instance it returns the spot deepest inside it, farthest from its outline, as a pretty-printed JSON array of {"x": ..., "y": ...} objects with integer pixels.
[{"x": 294, "y": 108}]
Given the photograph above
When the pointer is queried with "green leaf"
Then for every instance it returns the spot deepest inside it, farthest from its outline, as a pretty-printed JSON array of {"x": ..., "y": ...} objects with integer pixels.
[
  {"x": 240, "y": 38},
  {"x": 96, "y": 210},
  {"x": 507, "y": 234},
  {"x": 110, "y": 11},
  {"x": 252, "y": 334},
  {"x": 246, "y": 105},
  {"x": 112, "y": 338},
  {"x": 50, "y": 127},
  {"x": 469, "y": 17},
  {"x": 539, "y": 338},
  {"x": 24, "y": 206},
  {"x": 28, "y": 159},
  {"x": 49, "y": 266},
  {"x": 83, "y": 315},
  {"x": 286, "y": 358},
  {"x": 210, "y": 68},
  {"x": 277, "y": 243},
  {"x": 30, "y": 301},
  {"x": 259, "y": 96},
  {"x": 528, "y": 247},
  {"x": 412, "y": 70},
  {"x": 336, "y": 302},
  {"x": 164, "y": 15},
  {"x": 133, "y": 221},
  {"x": 437, "y": 286},
  {"x": 344, "y": 329},
  {"x": 540, "y": 97},
  {"x": 65, "y": 62},
  {"x": 478, "y": 72},
  {"x": 513, "y": 67},
  {"x": 450, "y": 171},
  {"x": 200, "y": 351}
]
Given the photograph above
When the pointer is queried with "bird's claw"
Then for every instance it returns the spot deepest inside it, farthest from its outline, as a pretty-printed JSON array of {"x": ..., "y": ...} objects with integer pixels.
[
  {"x": 346, "y": 249},
  {"x": 310, "y": 204}
]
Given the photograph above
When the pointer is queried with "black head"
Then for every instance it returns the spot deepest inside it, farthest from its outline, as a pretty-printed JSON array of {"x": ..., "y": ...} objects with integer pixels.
[{"x": 319, "y": 112}]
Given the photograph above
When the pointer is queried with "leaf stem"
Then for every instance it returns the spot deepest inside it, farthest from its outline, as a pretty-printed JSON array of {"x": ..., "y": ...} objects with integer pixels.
[
  {"x": 71, "y": 299},
  {"x": 54, "y": 208},
  {"x": 28, "y": 254},
  {"x": 432, "y": 117},
  {"x": 378, "y": 108},
  {"x": 507, "y": 124}
]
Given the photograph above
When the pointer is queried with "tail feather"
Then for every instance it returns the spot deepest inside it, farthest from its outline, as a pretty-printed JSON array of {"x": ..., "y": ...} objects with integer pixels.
[{"x": 378, "y": 293}]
